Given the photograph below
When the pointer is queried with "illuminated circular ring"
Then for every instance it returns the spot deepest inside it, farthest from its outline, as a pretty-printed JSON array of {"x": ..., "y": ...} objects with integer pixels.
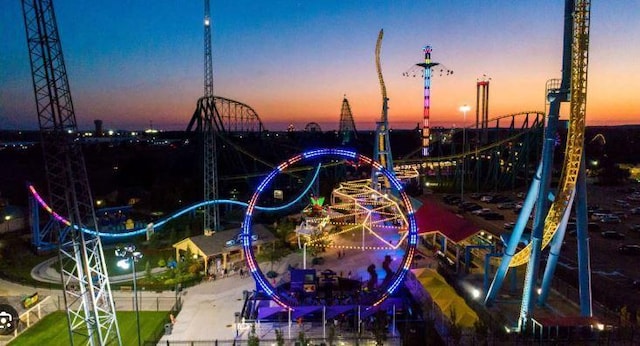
[{"x": 412, "y": 239}]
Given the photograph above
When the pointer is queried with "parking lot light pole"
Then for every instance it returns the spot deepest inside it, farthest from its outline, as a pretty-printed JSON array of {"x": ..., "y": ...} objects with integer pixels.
[{"x": 130, "y": 256}]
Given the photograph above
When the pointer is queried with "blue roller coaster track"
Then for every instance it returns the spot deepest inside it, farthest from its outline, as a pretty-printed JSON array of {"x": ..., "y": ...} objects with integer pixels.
[{"x": 175, "y": 215}]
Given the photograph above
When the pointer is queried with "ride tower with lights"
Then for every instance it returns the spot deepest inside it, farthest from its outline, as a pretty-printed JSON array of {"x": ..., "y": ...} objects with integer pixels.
[
  {"x": 553, "y": 208},
  {"x": 427, "y": 72},
  {"x": 87, "y": 294}
]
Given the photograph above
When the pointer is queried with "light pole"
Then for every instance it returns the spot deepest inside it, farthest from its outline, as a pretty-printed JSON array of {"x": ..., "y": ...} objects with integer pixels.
[
  {"x": 304, "y": 255},
  {"x": 7, "y": 218},
  {"x": 464, "y": 109},
  {"x": 130, "y": 256}
]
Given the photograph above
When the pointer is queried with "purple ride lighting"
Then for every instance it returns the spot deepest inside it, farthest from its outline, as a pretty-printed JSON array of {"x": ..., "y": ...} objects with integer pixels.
[
  {"x": 47, "y": 207},
  {"x": 248, "y": 249}
]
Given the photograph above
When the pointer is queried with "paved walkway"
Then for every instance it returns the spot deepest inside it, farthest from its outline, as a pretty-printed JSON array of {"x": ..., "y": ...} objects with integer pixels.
[
  {"x": 208, "y": 311},
  {"x": 46, "y": 271}
]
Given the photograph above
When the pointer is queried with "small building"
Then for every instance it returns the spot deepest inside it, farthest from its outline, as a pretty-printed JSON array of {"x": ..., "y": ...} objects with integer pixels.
[
  {"x": 215, "y": 248},
  {"x": 450, "y": 233}
]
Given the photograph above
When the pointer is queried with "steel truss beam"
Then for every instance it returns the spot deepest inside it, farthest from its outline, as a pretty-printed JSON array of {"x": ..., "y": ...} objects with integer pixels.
[{"x": 87, "y": 294}]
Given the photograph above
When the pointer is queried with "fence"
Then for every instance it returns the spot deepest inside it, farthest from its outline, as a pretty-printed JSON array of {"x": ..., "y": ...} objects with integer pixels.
[
  {"x": 362, "y": 341},
  {"x": 127, "y": 303},
  {"x": 31, "y": 316},
  {"x": 162, "y": 329}
]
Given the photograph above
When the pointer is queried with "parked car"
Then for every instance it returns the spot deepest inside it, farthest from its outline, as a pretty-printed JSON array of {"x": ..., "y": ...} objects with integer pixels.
[
  {"x": 509, "y": 225},
  {"x": 635, "y": 227},
  {"x": 622, "y": 203},
  {"x": 629, "y": 249},
  {"x": 493, "y": 216},
  {"x": 620, "y": 214},
  {"x": 481, "y": 211},
  {"x": 452, "y": 200},
  {"x": 501, "y": 199},
  {"x": 470, "y": 206},
  {"x": 600, "y": 213},
  {"x": 635, "y": 210},
  {"x": 610, "y": 219},
  {"x": 506, "y": 205},
  {"x": 612, "y": 235},
  {"x": 486, "y": 198},
  {"x": 517, "y": 208},
  {"x": 634, "y": 197}
]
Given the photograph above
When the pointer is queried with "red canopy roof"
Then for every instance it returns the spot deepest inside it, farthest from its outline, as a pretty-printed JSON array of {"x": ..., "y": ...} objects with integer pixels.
[{"x": 432, "y": 217}]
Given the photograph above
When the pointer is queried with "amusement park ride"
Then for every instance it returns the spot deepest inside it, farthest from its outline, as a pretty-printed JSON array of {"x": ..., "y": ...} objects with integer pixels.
[
  {"x": 378, "y": 208},
  {"x": 427, "y": 70},
  {"x": 550, "y": 222}
]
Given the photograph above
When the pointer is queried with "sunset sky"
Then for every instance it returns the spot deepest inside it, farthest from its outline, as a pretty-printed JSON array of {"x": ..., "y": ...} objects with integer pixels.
[{"x": 135, "y": 62}]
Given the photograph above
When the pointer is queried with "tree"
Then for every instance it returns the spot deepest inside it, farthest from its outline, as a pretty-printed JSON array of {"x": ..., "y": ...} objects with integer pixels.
[
  {"x": 302, "y": 339},
  {"x": 380, "y": 327},
  {"x": 253, "y": 339},
  {"x": 147, "y": 270},
  {"x": 612, "y": 174},
  {"x": 481, "y": 332},
  {"x": 279, "y": 337},
  {"x": 455, "y": 331},
  {"x": 331, "y": 338}
]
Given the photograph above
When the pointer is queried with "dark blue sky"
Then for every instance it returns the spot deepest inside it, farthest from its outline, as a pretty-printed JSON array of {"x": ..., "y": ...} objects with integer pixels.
[{"x": 133, "y": 62}]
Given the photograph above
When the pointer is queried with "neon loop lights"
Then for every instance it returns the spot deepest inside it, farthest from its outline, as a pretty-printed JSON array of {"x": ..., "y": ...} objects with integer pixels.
[{"x": 389, "y": 287}]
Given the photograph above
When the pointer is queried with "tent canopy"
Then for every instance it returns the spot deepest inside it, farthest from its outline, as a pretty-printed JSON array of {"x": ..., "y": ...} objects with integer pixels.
[{"x": 446, "y": 298}]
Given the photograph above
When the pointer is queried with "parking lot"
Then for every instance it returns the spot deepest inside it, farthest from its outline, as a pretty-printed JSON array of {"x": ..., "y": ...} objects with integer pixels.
[{"x": 613, "y": 229}]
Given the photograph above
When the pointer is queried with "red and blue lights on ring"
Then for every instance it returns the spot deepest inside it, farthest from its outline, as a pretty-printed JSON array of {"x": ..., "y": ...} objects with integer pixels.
[{"x": 412, "y": 239}]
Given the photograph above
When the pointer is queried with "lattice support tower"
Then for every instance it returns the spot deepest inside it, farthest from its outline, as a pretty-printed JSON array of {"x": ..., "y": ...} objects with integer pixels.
[
  {"x": 87, "y": 293},
  {"x": 347, "y": 126},
  {"x": 209, "y": 133}
]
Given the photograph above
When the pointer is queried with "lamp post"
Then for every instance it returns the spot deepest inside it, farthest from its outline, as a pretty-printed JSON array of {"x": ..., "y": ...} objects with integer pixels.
[
  {"x": 7, "y": 218},
  {"x": 464, "y": 109},
  {"x": 304, "y": 255},
  {"x": 130, "y": 256}
]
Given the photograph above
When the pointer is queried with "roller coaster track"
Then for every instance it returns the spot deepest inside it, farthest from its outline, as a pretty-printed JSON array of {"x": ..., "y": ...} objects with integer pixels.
[
  {"x": 162, "y": 222},
  {"x": 269, "y": 165},
  {"x": 575, "y": 136},
  {"x": 230, "y": 116},
  {"x": 383, "y": 88},
  {"x": 524, "y": 130}
]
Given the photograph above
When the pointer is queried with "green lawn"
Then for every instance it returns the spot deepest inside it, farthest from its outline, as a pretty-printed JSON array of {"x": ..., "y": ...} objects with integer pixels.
[
  {"x": 53, "y": 329},
  {"x": 149, "y": 255}
]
